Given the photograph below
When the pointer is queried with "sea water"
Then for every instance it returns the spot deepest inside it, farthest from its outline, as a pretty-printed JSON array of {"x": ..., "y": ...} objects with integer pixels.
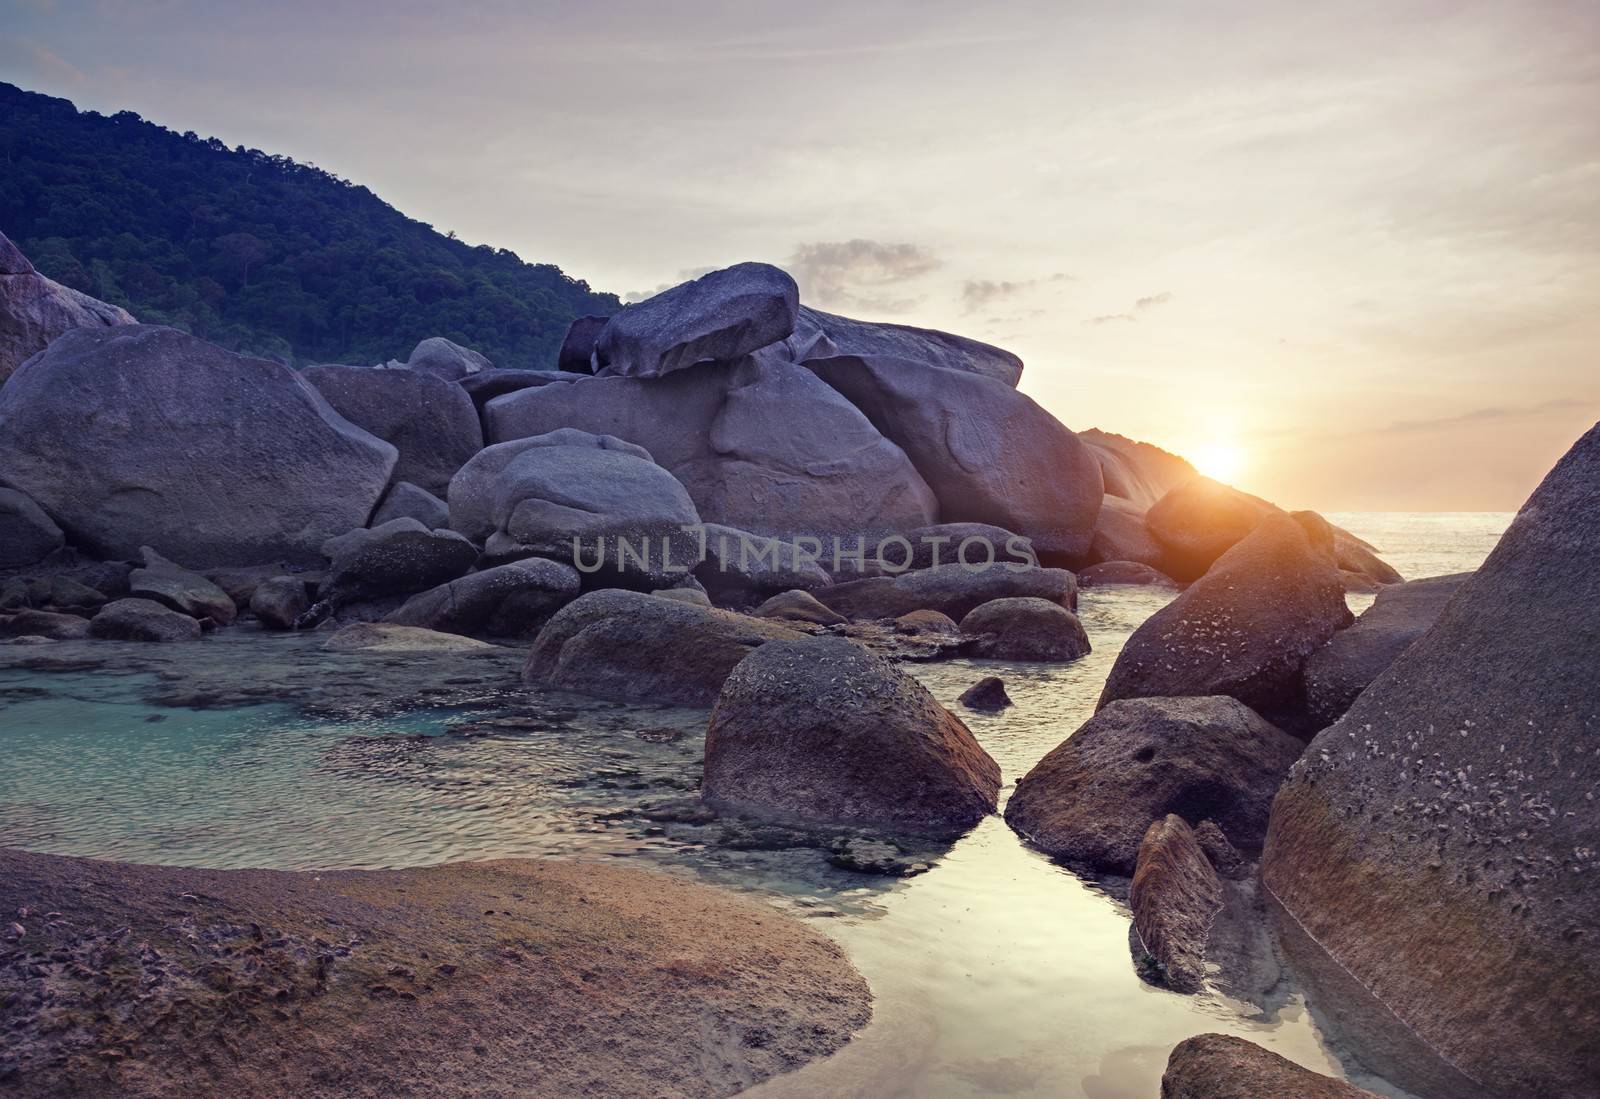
[{"x": 994, "y": 972}]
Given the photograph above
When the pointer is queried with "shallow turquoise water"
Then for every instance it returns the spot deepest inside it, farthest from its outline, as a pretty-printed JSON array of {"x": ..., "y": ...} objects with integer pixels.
[{"x": 995, "y": 973}]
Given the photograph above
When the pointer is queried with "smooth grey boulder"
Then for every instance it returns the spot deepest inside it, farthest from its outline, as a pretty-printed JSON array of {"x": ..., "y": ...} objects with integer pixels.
[
  {"x": 957, "y": 543},
  {"x": 821, "y": 731},
  {"x": 798, "y": 606},
  {"x": 399, "y": 558},
  {"x": 448, "y": 360},
  {"x": 513, "y": 600},
  {"x": 27, "y": 534},
  {"x": 820, "y": 335},
  {"x": 279, "y": 601},
  {"x": 1120, "y": 534},
  {"x": 142, "y": 620},
  {"x": 719, "y": 317},
  {"x": 1339, "y": 671},
  {"x": 47, "y": 624},
  {"x": 1439, "y": 847},
  {"x": 738, "y": 565},
  {"x": 186, "y": 592},
  {"x": 730, "y": 434},
  {"x": 1089, "y": 801},
  {"x": 486, "y": 385},
  {"x": 430, "y": 421},
  {"x": 35, "y": 310},
  {"x": 953, "y": 590},
  {"x": 474, "y": 490},
  {"x": 577, "y": 347},
  {"x": 1024, "y": 629},
  {"x": 1246, "y": 628},
  {"x": 408, "y": 501},
  {"x": 990, "y": 454},
  {"x": 141, "y": 435},
  {"x": 632, "y": 647}
]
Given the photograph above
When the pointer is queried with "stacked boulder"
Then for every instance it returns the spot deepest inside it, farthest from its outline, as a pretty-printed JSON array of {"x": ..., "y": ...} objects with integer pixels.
[{"x": 35, "y": 310}]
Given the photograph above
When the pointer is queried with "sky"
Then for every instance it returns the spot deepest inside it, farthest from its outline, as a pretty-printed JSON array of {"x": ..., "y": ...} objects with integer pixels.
[{"x": 1346, "y": 252}]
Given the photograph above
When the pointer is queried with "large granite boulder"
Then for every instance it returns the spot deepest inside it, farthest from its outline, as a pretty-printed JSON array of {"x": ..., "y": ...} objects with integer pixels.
[
  {"x": 399, "y": 558},
  {"x": 279, "y": 601},
  {"x": 741, "y": 567},
  {"x": 1023, "y": 629},
  {"x": 821, "y": 731},
  {"x": 408, "y": 501},
  {"x": 1220, "y": 1066},
  {"x": 48, "y": 624},
  {"x": 141, "y": 435},
  {"x": 1438, "y": 849},
  {"x": 448, "y": 360},
  {"x": 186, "y": 592},
  {"x": 475, "y": 489},
  {"x": 632, "y": 647},
  {"x": 1089, "y": 801},
  {"x": 1120, "y": 534},
  {"x": 733, "y": 436},
  {"x": 513, "y": 600},
  {"x": 35, "y": 310},
  {"x": 577, "y": 347},
  {"x": 430, "y": 421},
  {"x": 820, "y": 335},
  {"x": 990, "y": 454},
  {"x": 142, "y": 620},
  {"x": 1245, "y": 628},
  {"x": 1137, "y": 473},
  {"x": 1175, "y": 897},
  {"x": 1347, "y": 665},
  {"x": 27, "y": 534},
  {"x": 486, "y": 385},
  {"x": 719, "y": 317},
  {"x": 954, "y": 590}
]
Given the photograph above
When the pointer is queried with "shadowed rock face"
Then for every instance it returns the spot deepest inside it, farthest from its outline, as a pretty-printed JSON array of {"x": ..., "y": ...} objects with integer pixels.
[
  {"x": 508, "y": 601},
  {"x": 1219, "y": 1066},
  {"x": 632, "y": 647},
  {"x": 140, "y": 435},
  {"x": 341, "y": 983},
  {"x": 822, "y": 731},
  {"x": 820, "y": 335},
  {"x": 1441, "y": 843},
  {"x": 27, "y": 534},
  {"x": 1137, "y": 473},
  {"x": 429, "y": 420},
  {"x": 1246, "y": 628},
  {"x": 1089, "y": 801},
  {"x": 399, "y": 558},
  {"x": 577, "y": 348},
  {"x": 1347, "y": 665},
  {"x": 990, "y": 454},
  {"x": 35, "y": 310},
  {"x": 1120, "y": 534}
]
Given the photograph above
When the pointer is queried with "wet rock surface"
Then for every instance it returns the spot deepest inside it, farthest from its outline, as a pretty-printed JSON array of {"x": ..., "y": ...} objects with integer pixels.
[
  {"x": 1220, "y": 1066},
  {"x": 142, "y": 620},
  {"x": 1025, "y": 629},
  {"x": 1175, "y": 896}
]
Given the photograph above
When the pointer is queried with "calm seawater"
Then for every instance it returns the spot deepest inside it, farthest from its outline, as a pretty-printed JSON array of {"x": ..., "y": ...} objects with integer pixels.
[{"x": 994, "y": 973}]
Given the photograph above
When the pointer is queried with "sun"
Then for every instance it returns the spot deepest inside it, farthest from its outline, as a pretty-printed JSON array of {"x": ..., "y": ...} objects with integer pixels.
[{"x": 1217, "y": 459}]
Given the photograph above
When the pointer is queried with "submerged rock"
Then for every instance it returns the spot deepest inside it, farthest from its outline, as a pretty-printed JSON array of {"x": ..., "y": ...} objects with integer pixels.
[
  {"x": 987, "y": 695},
  {"x": 430, "y": 421},
  {"x": 386, "y": 637},
  {"x": 27, "y": 534},
  {"x": 719, "y": 317},
  {"x": 1436, "y": 849},
  {"x": 1220, "y": 1066},
  {"x": 990, "y": 454},
  {"x": 142, "y": 620},
  {"x": 1246, "y": 628},
  {"x": 1175, "y": 896},
  {"x": 1339, "y": 671},
  {"x": 1130, "y": 573},
  {"x": 141, "y": 435},
  {"x": 629, "y": 646},
  {"x": 953, "y": 590},
  {"x": 1025, "y": 629},
  {"x": 46, "y": 624},
  {"x": 176, "y": 587},
  {"x": 1089, "y": 801},
  {"x": 820, "y": 731},
  {"x": 35, "y": 310},
  {"x": 514, "y": 600}
]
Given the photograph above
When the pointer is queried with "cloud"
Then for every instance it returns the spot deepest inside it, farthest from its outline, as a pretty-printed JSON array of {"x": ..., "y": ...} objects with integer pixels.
[
  {"x": 689, "y": 274},
  {"x": 1153, "y": 300},
  {"x": 978, "y": 293},
  {"x": 43, "y": 63},
  {"x": 1140, "y": 305},
  {"x": 860, "y": 274},
  {"x": 1110, "y": 318},
  {"x": 1490, "y": 414}
]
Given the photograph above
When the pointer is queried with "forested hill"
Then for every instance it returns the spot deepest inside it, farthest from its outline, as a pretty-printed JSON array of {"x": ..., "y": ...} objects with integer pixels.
[{"x": 257, "y": 252}]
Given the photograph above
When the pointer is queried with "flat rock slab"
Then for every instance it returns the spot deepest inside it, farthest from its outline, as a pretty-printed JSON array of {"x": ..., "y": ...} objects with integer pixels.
[{"x": 517, "y": 977}]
